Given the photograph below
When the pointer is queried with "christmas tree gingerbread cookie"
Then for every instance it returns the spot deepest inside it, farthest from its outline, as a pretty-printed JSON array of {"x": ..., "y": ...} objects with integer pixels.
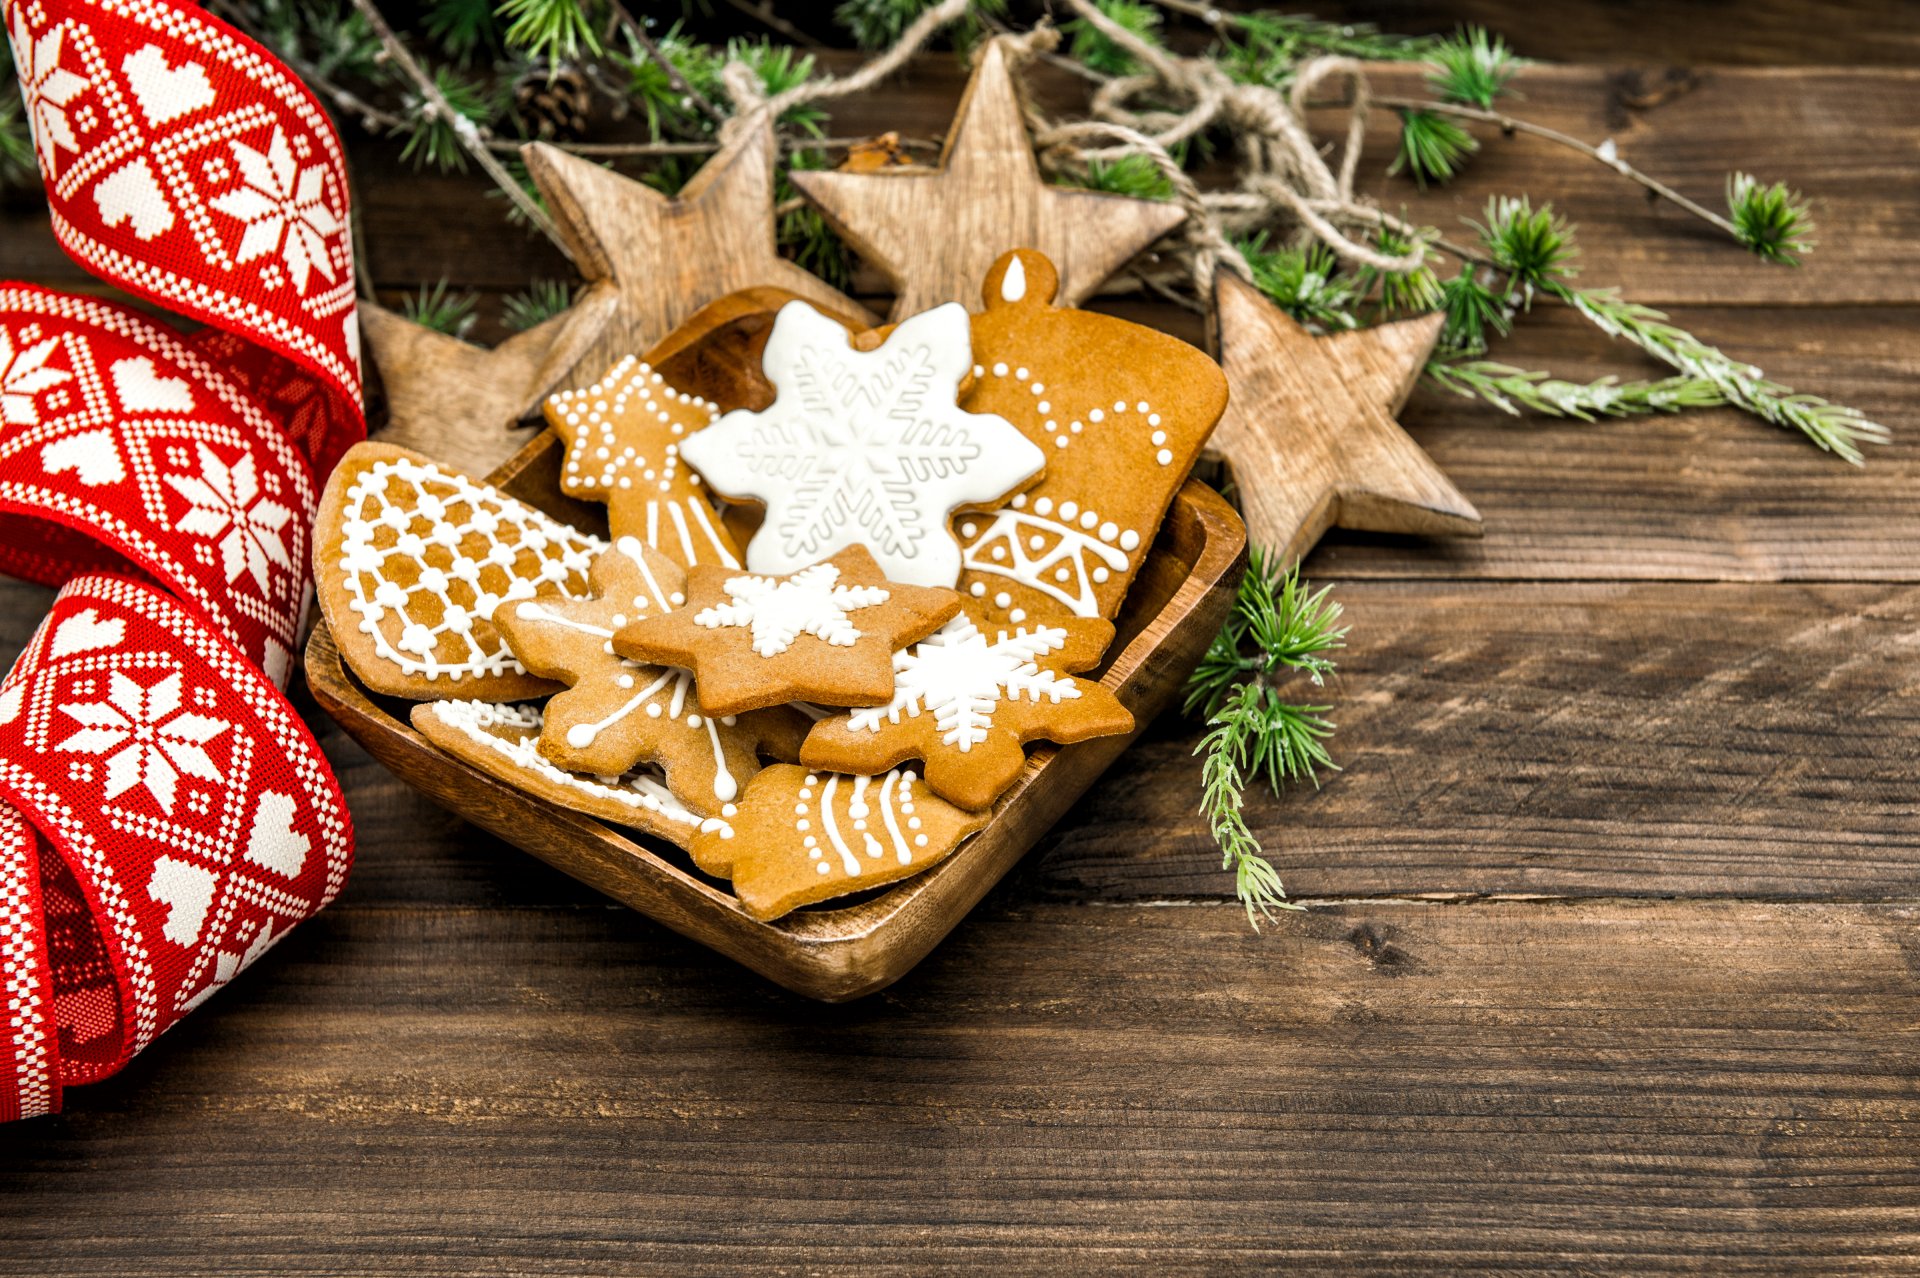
[
  {"x": 410, "y": 561},
  {"x": 966, "y": 704},
  {"x": 616, "y": 713},
  {"x": 825, "y": 634},
  {"x": 623, "y": 437},
  {"x": 803, "y": 837},
  {"x": 864, "y": 446},
  {"x": 504, "y": 741},
  {"x": 1121, "y": 412}
]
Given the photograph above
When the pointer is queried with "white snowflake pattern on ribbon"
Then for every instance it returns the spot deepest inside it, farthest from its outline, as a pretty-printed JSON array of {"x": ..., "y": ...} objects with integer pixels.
[
  {"x": 284, "y": 208},
  {"x": 48, "y": 89},
  {"x": 224, "y": 499},
  {"x": 23, "y": 375},
  {"x": 152, "y": 740}
]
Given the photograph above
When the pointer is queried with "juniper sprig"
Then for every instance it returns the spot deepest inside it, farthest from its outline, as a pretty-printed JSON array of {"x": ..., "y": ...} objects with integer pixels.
[
  {"x": 438, "y": 307},
  {"x": 1772, "y": 221}
]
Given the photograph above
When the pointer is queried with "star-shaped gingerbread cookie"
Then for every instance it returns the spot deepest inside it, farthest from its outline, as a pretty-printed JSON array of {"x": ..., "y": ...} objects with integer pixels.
[
  {"x": 966, "y": 704},
  {"x": 826, "y": 634},
  {"x": 616, "y": 713},
  {"x": 623, "y": 436},
  {"x": 802, "y": 837}
]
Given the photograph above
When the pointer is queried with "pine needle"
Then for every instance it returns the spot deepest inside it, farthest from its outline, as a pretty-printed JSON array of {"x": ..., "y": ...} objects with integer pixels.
[
  {"x": 543, "y": 300},
  {"x": 436, "y": 307},
  {"x": 1772, "y": 221}
]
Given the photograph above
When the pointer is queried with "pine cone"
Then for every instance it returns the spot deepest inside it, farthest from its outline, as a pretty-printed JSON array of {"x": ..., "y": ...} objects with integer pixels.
[{"x": 553, "y": 100}]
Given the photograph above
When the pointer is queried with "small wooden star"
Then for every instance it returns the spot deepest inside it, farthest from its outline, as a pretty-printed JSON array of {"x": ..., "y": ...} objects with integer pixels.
[
  {"x": 1310, "y": 427},
  {"x": 461, "y": 403},
  {"x": 617, "y": 713},
  {"x": 670, "y": 256},
  {"x": 825, "y": 634},
  {"x": 935, "y": 232}
]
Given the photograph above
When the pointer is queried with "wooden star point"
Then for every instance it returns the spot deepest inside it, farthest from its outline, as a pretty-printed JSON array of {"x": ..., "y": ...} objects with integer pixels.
[
  {"x": 668, "y": 256},
  {"x": 462, "y": 403},
  {"x": 1310, "y": 427},
  {"x": 936, "y": 232}
]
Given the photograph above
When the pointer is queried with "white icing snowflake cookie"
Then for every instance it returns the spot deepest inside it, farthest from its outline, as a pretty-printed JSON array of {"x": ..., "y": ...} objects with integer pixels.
[
  {"x": 966, "y": 704},
  {"x": 864, "y": 447}
]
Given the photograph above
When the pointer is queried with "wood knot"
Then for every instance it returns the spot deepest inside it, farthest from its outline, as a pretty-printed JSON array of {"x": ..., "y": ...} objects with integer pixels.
[{"x": 1376, "y": 946}]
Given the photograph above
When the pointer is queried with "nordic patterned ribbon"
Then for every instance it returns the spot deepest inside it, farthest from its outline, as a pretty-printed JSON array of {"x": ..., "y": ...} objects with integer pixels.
[{"x": 171, "y": 815}]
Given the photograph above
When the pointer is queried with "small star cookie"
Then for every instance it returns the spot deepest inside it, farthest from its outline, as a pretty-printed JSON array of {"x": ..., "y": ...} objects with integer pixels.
[
  {"x": 803, "y": 837},
  {"x": 825, "y": 634},
  {"x": 616, "y": 713},
  {"x": 864, "y": 446},
  {"x": 623, "y": 437},
  {"x": 966, "y": 705}
]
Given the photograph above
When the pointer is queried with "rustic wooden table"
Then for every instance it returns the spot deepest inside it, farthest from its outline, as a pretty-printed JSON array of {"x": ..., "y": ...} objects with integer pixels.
[{"x": 1613, "y": 914}]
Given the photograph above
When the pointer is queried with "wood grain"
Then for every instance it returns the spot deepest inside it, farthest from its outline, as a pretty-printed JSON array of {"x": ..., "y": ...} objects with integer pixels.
[
  {"x": 1309, "y": 429},
  {"x": 1642, "y": 1088}
]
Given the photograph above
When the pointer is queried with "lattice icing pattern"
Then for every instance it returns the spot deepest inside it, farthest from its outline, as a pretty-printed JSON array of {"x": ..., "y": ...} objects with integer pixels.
[
  {"x": 802, "y": 837},
  {"x": 417, "y": 559},
  {"x": 1121, "y": 412},
  {"x": 623, "y": 437}
]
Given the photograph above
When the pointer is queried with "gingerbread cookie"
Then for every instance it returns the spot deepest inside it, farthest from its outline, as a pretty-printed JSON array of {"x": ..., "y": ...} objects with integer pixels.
[
  {"x": 864, "y": 447},
  {"x": 623, "y": 436},
  {"x": 616, "y": 713},
  {"x": 503, "y": 741},
  {"x": 966, "y": 705},
  {"x": 410, "y": 559},
  {"x": 802, "y": 837},
  {"x": 1121, "y": 412},
  {"x": 825, "y": 634}
]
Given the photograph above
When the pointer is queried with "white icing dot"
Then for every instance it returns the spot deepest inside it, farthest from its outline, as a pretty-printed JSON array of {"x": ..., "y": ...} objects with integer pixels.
[
  {"x": 1159, "y": 437},
  {"x": 1096, "y": 416},
  {"x": 1019, "y": 501},
  {"x": 977, "y": 589},
  {"x": 1153, "y": 419},
  {"x": 1100, "y": 574},
  {"x": 1002, "y": 599},
  {"x": 1129, "y": 539},
  {"x": 1017, "y": 616},
  {"x": 1088, "y": 519},
  {"x": 1164, "y": 457},
  {"x": 1020, "y": 373},
  {"x": 969, "y": 529},
  {"x": 1043, "y": 506},
  {"x": 1038, "y": 389},
  {"x": 1043, "y": 408},
  {"x": 821, "y": 867},
  {"x": 653, "y": 711},
  {"x": 694, "y": 721},
  {"x": 1140, "y": 407},
  {"x": 1061, "y": 574},
  {"x": 1036, "y": 541},
  {"x": 1119, "y": 405},
  {"x": 999, "y": 370},
  {"x": 1109, "y": 530},
  {"x": 1061, "y": 441},
  {"x": 979, "y": 371},
  {"x": 1069, "y": 509},
  {"x": 1076, "y": 428},
  {"x": 799, "y": 809},
  {"x": 919, "y": 840}
]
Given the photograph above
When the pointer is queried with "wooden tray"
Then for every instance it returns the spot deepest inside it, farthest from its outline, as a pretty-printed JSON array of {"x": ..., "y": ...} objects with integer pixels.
[{"x": 1177, "y": 604}]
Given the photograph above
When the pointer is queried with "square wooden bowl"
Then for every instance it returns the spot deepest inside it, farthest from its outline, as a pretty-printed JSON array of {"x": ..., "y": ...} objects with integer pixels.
[{"x": 1176, "y": 605}]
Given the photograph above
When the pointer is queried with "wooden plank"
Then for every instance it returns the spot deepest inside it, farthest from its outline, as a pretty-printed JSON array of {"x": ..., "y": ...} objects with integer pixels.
[
  {"x": 1711, "y": 495},
  {"x": 1646, "y": 1088},
  {"x": 1840, "y": 136}
]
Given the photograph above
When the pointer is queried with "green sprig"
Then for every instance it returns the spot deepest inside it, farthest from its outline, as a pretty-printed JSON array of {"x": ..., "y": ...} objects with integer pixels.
[
  {"x": 1471, "y": 67},
  {"x": 1772, "y": 221},
  {"x": 1095, "y": 50},
  {"x": 437, "y": 307},
  {"x": 554, "y": 29},
  {"x": 435, "y": 139},
  {"x": 1432, "y": 147},
  {"x": 1510, "y": 389},
  {"x": 1400, "y": 291},
  {"x": 1134, "y": 175},
  {"x": 875, "y": 24},
  {"x": 1266, "y": 48},
  {"x": 1303, "y": 282},
  {"x": 1278, "y": 627},
  {"x": 542, "y": 300}
]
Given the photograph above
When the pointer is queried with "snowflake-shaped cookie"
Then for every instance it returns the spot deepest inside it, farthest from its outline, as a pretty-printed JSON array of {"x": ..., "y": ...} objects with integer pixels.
[
  {"x": 967, "y": 704},
  {"x": 826, "y": 634},
  {"x": 864, "y": 447}
]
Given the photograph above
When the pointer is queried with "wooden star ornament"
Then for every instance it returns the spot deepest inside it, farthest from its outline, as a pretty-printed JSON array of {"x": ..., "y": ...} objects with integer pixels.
[
  {"x": 1310, "y": 427},
  {"x": 935, "y": 232},
  {"x": 668, "y": 256},
  {"x": 463, "y": 403}
]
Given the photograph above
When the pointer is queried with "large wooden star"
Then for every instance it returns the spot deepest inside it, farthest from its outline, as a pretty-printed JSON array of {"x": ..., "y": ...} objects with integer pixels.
[
  {"x": 935, "y": 232},
  {"x": 1310, "y": 427},
  {"x": 670, "y": 256},
  {"x": 461, "y": 403}
]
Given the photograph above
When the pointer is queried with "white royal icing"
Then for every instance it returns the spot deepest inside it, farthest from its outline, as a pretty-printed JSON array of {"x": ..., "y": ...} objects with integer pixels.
[
  {"x": 852, "y": 845},
  {"x": 960, "y": 678},
  {"x": 864, "y": 447},
  {"x": 523, "y": 550},
  {"x": 640, "y": 790},
  {"x": 810, "y": 602}
]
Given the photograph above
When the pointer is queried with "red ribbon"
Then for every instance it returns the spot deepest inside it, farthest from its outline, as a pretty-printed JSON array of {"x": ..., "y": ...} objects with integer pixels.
[{"x": 172, "y": 817}]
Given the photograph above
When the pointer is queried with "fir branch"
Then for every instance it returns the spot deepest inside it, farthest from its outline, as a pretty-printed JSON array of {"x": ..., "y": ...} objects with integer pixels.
[
  {"x": 1278, "y": 626},
  {"x": 464, "y": 29},
  {"x": 1432, "y": 147},
  {"x": 557, "y": 30},
  {"x": 1303, "y": 282},
  {"x": 440, "y": 309},
  {"x": 1772, "y": 221},
  {"x": 437, "y": 138},
  {"x": 1471, "y": 67},
  {"x": 802, "y": 230},
  {"x": 18, "y": 168},
  {"x": 687, "y": 94},
  {"x": 1472, "y": 309},
  {"x": 1263, "y": 47},
  {"x": 779, "y": 68},
  {"x": 1098, "y": 52},
  {"x": 1510, "y": 389},
  {"x": 876, "y": 24},
  {"x": 1134, "y": 175},
  {"x": 542, "y": 300},
  {"x": 1414, "y": 291}
]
